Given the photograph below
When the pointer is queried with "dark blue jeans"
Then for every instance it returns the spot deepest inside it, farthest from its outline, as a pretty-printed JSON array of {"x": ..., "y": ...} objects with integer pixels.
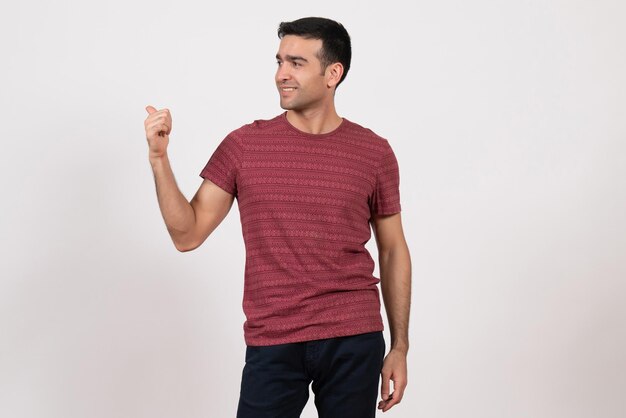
[{"x": 345, "y": 372}]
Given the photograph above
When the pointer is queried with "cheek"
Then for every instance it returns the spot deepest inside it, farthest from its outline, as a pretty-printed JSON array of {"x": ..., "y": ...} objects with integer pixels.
[{"x": 306, "y": 80}]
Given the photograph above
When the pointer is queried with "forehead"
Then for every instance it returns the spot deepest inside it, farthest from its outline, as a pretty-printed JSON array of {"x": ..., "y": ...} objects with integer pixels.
[{"x": 299, "y": 46}]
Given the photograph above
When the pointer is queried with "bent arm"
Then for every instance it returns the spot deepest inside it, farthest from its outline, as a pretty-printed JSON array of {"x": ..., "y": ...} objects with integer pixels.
[{"x": 188, "y": 223}]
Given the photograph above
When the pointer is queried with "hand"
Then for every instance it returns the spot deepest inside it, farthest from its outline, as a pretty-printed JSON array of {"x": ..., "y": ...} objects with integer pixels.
[
  {"x": 394, "y": 368},
  {"x": 158, "y": 126}
]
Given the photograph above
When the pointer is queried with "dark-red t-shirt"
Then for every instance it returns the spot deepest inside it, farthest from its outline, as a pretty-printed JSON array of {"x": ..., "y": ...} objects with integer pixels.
[{"x": 305, "y": 202}]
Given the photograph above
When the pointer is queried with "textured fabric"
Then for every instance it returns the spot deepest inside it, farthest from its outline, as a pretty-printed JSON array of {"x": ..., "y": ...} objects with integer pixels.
[
  {"x": 345, "y": 372},
  {"x": 305, "y": 203}
]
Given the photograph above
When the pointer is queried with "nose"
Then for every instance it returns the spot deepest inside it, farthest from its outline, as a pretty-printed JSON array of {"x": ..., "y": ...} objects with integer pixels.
[{"x": 282, "y": 73}]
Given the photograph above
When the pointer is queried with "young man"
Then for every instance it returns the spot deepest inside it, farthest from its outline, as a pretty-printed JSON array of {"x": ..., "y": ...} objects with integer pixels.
[{"x": 308, "y": 184}]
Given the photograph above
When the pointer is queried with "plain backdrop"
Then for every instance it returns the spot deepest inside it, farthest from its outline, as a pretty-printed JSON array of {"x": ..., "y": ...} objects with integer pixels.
[{"x": 508, "y": 122}]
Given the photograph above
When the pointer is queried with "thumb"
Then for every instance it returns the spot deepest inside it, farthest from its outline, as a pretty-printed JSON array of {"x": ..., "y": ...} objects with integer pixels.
[
  {"x": 384, "y": 390},
  {"x": 150, "y": 109}
]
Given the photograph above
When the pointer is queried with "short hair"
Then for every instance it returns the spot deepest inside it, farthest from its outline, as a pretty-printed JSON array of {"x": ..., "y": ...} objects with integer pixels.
[{"x": 336, "y": 45}]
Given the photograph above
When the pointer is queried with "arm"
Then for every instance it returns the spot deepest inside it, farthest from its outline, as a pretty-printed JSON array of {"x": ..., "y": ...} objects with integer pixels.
[
  {"x": 395, "y": 278},
  {"x": 188, "y": 223}
]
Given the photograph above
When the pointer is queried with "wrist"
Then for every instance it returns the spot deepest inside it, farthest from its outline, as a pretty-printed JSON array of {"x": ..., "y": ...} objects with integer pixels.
[
  {"x": 156, "y": 160},
  {"x": 400, "y": 348}
]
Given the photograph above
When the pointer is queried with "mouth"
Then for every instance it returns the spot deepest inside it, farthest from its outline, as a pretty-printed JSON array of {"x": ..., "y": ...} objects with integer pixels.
[{"x": 287, "y": 88}]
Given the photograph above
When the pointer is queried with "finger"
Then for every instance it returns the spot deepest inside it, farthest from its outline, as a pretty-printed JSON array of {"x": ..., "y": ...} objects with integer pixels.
[
  {"x": 160, "y": 116},
  {"x": 150, "y": 109},
  {"x": 159, "y": 126},
  {"x": 386, "y": 406},
  {"x": 384, "y": 403},
  {"x": 389, "y": 398},
  {"x": 393, "y": 401},
  {"x": 396, "y": 396},
  {"x": 384, "y": 389},
  {"x": 399, "y": 388},
  {"x": 154, "y": 133}
]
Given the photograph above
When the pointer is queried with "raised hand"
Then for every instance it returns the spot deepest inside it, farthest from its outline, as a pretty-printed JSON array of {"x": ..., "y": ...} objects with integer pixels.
[{"x": 158, "y": 126}]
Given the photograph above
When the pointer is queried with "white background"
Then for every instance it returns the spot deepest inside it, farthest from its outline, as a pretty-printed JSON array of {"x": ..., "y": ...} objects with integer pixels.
[{"x": 508, "y": 121}]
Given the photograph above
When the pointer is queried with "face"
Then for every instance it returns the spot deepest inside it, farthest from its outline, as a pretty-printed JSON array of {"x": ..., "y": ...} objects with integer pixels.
[{"x": 301, "y": 83}]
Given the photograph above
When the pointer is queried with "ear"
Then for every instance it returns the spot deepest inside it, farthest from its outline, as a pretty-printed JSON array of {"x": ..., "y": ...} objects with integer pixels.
[{"x": 333, "y": 74}]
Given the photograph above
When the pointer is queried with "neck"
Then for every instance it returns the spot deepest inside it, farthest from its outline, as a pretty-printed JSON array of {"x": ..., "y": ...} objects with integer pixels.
[{"x": 315, "y": 121}]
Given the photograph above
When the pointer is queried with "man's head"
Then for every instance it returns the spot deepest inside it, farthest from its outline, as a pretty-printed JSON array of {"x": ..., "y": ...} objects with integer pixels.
[
  {"x": 313, "y": 58},
  {"x": 336, "y": 45}
]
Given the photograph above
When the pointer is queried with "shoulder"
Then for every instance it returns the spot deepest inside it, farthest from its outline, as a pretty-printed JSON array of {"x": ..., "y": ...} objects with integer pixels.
[
  {"x": 242, "y": 136},
  {"x": 375, "y": 140},
  {"x": 259, "y": 126}
]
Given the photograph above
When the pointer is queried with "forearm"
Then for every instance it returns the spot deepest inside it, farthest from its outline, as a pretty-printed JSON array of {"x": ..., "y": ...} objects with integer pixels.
[
  {"x": 395, "y": 280},
  {"x": 177, "y": 212}
]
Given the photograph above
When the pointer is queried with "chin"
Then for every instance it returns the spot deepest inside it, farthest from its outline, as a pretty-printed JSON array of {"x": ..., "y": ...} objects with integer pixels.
[{"x": 287, "y": 106}]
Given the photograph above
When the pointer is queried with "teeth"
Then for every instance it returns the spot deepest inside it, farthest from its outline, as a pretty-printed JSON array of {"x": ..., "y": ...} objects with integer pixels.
[{"x": 288, "y": 88}]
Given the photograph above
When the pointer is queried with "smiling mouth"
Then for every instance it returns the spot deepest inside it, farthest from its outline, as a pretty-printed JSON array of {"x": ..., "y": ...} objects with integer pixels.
[{"x": 287, "y": 88}]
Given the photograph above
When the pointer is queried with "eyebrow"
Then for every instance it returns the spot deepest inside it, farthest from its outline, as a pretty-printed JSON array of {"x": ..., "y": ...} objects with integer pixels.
[{"x": 292, "y": 58}]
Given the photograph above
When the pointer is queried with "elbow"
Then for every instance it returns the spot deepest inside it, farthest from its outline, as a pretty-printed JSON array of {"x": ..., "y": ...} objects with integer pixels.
[
  {"x": 399, "y": 253},
  {"x": 185, "y": 246},
  {"x": 187, "y": 241}
]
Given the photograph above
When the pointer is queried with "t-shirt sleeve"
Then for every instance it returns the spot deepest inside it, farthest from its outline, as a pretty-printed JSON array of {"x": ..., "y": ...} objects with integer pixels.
[
  {"x": 385, "y": 199},
  {"x": 224, "y": 164}
]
